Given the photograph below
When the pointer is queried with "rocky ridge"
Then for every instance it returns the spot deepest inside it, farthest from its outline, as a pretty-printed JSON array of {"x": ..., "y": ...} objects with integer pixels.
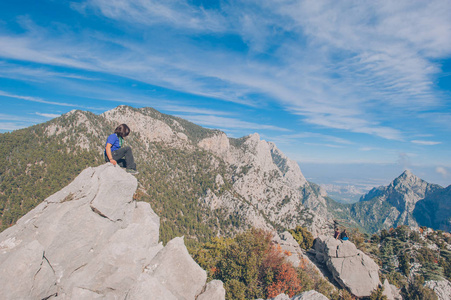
[
  {"x": 268, "y": 189},
  {"x": 91, "y": 240}
]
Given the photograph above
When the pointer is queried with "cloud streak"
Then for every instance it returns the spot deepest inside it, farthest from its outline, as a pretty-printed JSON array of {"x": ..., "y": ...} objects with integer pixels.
[
  {"x": 229, "y": 123},
  {"x": 425, "y": 143},
  {"x": 338, "y": 65}
]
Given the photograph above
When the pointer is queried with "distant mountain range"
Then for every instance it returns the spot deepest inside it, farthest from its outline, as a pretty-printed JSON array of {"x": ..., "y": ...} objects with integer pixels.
[
  {"x": 198, "y": 180},
  {"x": 407, "y": 200}
]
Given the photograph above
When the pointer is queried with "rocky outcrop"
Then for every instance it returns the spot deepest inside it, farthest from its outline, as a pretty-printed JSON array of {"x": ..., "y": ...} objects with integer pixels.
[
  {"x": 350, "y": 267},
  {"x": 293, "y": 252},
  {"x": 92, "y": 241},
  {"x": 441, "y": 288}
]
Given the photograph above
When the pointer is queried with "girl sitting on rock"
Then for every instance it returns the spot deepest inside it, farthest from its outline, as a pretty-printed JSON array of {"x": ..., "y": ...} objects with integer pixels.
[
  {"x": 344, "y": 235},
  {"x": 116, "y": 154}
]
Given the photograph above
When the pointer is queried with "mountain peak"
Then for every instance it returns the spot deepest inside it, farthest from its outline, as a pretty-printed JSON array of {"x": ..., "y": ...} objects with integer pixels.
[
  {"x": 407, "y": 177},
  {"x": 407, "y": 173}
]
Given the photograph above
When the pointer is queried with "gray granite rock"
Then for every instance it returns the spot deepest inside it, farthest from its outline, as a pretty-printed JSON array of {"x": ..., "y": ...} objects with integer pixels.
[
  {"x": 174, "y": 268},
  {"x": 213, "y": 291},
  {"x": 391, "y": 291},
  {"x": 92, "y": 241},
  {"x": 281, "y": 297},
  {"x": 310, "y": 295},
  {"x": 350, "y": 267}
]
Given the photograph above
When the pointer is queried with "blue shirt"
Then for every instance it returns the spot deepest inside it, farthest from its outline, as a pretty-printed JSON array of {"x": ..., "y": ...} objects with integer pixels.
[{"x": 114, "y": 141}]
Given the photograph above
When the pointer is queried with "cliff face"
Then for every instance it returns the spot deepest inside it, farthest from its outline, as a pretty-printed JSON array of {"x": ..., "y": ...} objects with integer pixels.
[{"x": 91, "y": 240}]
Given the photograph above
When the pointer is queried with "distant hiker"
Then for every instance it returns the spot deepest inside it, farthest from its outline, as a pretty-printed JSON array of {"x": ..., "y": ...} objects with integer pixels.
[
  {"x": 116, "y": 154},
  {"x": 336, "y": 233},
  {"x": 344, "y": 235}
]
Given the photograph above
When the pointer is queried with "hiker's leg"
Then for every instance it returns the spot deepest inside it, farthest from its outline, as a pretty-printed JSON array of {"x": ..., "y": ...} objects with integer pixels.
[
  {"x": 121, "y": 163},
  {"x": 118, "y": 156},
  {"x": 125, "y": 152}
]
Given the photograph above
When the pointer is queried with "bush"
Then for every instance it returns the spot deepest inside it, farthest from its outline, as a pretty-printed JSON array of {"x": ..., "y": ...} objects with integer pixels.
[
  {"x": 303, "y": 237},
  {"x": 252, "y": 267},
  {"x": 377, "y": 294}
]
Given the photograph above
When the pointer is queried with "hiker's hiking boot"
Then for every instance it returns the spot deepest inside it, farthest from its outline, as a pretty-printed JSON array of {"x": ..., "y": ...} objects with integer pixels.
[{"x": 131, "y": 171}]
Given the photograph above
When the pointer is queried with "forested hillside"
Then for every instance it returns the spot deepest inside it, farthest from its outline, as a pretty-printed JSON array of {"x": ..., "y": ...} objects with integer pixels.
[{"x": 34, "y": 165}]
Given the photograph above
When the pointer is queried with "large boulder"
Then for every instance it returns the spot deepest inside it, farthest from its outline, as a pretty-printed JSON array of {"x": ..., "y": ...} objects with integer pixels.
[
  {"x": 213, "y": 291},
  {"x": 292, "y": 250},
  {"x": 92, "y": 241},
  {"x": 351, "y": 268}
]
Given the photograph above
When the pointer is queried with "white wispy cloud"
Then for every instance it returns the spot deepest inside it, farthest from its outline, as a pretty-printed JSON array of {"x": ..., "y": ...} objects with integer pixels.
[
  {"x": 35, "y": 99},
  {"x": 48, "y": 115},
  {"x": 442, "y": 171},
  {"x": 335, "y": 64},
  {"x": 40, "y": 100},
  {"x": 8, "y": 126},
  {"x": 291, "y": 138},
  {"x": 324, "y": 145},
  {"x": 223, "y": 122},
  {"x": 426, "y": 143},
  {"x": 192, "y": 110},
  {"x": 178, "y": 13},
  {"x": 14, "y": 71}
]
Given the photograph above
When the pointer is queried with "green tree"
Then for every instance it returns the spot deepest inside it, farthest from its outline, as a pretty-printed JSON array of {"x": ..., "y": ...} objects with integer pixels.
[{"x": 303, "y": 237}]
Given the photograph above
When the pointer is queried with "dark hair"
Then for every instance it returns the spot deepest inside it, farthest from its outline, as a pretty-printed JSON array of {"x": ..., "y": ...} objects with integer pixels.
[{"x": 122, "y": 130}]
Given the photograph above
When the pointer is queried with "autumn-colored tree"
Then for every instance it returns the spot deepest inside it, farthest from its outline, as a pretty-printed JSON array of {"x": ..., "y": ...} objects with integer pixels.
[{"x": 286, "y": 281}]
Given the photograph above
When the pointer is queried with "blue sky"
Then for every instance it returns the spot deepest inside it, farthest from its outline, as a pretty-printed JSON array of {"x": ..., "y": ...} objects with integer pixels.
[{"x": 362, "y": 86}]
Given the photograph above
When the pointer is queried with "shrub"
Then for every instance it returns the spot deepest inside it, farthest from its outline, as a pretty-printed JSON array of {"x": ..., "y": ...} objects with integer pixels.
[{"x": 303, "y": 237}]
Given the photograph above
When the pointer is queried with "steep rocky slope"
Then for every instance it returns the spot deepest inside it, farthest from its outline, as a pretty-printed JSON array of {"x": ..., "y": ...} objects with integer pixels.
[{"x": 91, "y": 240}]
